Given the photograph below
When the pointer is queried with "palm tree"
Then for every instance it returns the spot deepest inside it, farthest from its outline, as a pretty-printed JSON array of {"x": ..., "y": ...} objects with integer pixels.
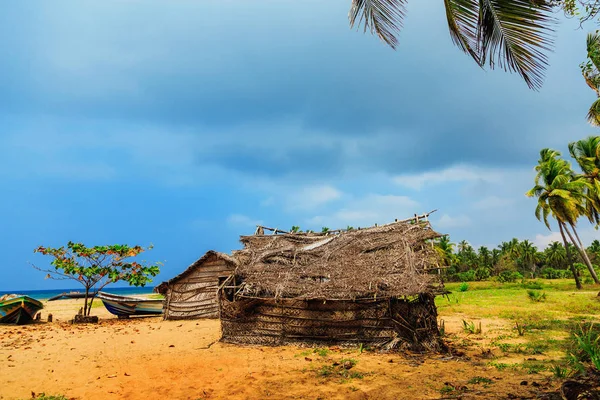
[
  {"x": 591, "y": 74},
  {"x": 464, "y": 246},
  {"x": 560, "y": 193},
  {"x": 528, "y": 255},
  {"x": 485, "y": 257},
  {"x": 556, "y": 255},
  {"x": 511, "y": 34},
  {"x": 586, "y": 153},
  {"x": 594, "y": 246},
  {"x": 445, "y": 249},
  {"x": 594, "y": 250},
  {"x": 495, "y": 257}
]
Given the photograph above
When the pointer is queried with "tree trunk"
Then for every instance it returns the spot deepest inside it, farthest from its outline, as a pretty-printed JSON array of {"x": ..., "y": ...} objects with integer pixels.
[
  {"x": 582, "y": 253},
  {"x": 85, "y": 307},
  {"x": 90, "y": 306},
  {"x": 585, "y": 257},
  {"x": 569, "y": 259}
]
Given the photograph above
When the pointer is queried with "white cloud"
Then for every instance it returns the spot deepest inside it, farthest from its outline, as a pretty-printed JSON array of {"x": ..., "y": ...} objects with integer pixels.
[
  {"x": 367, "y": 211},
  {"x": 586, "y": 234},
  {"x": 446, "y": 221},
  {"x": 457, "y": 173},
  {"x": 541, "y": 241},
  {"x": 242, "y": 220},
  {"x": 311, "y": 197}
]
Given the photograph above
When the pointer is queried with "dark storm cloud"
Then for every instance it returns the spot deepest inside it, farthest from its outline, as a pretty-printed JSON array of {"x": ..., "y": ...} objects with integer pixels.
[{"x": 213, "y": 66}]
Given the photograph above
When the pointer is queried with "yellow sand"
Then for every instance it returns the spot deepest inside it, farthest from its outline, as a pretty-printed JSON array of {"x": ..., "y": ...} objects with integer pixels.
[{"x": 148, "y": 358}]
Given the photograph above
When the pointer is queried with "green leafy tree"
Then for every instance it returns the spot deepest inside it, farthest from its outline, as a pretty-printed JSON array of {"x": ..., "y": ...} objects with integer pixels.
[
  {"x": 95, "y": 267},
  {"x": 295, "y": 229},
  {"x": 514, "y": 35},
  {"x": 324, "y": 229}
]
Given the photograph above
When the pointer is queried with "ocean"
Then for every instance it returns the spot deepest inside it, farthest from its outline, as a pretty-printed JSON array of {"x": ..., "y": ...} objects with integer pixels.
[{"x": 46, "y": 294}]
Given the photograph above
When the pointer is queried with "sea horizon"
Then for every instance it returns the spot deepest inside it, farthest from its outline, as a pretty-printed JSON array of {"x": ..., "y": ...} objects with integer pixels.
[{"x": 44, "y": 294}]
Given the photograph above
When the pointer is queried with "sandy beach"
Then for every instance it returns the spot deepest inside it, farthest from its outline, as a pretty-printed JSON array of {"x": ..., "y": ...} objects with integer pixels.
[{"x": 148, "y": 358}]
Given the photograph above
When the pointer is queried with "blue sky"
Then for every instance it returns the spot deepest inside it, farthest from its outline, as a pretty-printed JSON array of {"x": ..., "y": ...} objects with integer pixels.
[{"x": 183, "y": 124}]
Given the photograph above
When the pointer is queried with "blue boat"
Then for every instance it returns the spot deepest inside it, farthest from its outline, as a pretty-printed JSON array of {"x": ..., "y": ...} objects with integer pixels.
[{"x": 124, "y": 306}]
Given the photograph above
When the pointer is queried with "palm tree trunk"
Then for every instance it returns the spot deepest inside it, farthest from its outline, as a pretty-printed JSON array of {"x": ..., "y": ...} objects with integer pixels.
[
  {"x": 586, "y": 257},
  {"x": 579, "y": 246},
  {"x": 569, "y": 259}
]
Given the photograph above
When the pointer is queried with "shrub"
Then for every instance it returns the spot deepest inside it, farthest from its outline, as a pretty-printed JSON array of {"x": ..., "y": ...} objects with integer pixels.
[
  {"x": 482, "y": 273},
  {"x": 467, "y": 276},
  {"x": 588, "y": 280},
  {"x": 463, "y": 287},
  {"x": 536, "y": 296},
  {"x": 532, "y": 285},
  {"x": 551, "y": 273},
  {"x": 587, "y": 346},
  {"x": 509, "y": 276}
]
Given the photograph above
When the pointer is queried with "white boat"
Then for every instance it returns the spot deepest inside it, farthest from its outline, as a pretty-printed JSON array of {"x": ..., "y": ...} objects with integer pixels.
[{"x": 124, "y": 306}]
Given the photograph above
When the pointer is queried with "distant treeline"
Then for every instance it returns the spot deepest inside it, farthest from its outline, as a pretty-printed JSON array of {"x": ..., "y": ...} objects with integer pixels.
[{"x": 512, "y": 261}]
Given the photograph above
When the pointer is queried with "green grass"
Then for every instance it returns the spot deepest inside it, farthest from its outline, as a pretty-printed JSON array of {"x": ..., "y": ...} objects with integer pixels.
[
  {"x": 546, "y": 333},
  {"x": 480, "y": 379},
  {"x": 489, "y": 299},
  {"x": 44, "y": 396}
]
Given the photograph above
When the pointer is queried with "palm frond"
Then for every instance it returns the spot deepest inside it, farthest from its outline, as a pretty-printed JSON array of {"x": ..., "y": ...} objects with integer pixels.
[
  {"x": 382, "y": 17},
  {"x": 593, "y": 48},
  {"x": 515, "y": 35},
  {"x": 593, "y": 115},
  {"x": 463, "y": 17}
]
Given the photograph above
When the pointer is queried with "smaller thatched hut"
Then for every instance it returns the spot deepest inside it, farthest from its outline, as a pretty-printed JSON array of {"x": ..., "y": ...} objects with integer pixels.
[
  {"x": 374, "y": 286},
  {"x": 193, "y": 293}
]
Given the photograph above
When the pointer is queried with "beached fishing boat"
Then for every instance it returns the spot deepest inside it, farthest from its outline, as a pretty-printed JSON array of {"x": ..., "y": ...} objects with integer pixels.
[
  {"x": 18, "y": 309},
  {"x": 72, "y": 295},
  {"x": 124, "y": 306}
]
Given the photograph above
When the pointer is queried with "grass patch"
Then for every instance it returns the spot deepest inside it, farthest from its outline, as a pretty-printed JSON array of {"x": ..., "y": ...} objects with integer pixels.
[
  {"x": 44, "y": 396},
  {"x": 341, "y": 369},
  {"x": 534, "y": 367},
  {"x": 502, "y": 366},
  {"x": 446, "y": 389},
  {"x": 560, "y": 322},
  {"x": 536, "y": 296},
  {"x": 480, "y": 379},
  {"x": 536, "y": 285},
  {"x": 471, "y": 328},
  {"x": 321, "y": 351},
  {"x": 560, "y": 371}
]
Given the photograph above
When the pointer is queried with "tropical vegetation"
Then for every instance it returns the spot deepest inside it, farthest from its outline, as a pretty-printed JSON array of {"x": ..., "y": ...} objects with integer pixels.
[
  {"x": 566, "y": 195},
  {"x": 97, "y": 266},
  {"x": 513, "y": 261}
]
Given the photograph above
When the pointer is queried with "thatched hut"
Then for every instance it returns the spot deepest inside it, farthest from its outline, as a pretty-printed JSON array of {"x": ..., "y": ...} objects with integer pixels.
[
  {"x": 193, "y": 293},
  {"x": 374, "y": 286}
]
